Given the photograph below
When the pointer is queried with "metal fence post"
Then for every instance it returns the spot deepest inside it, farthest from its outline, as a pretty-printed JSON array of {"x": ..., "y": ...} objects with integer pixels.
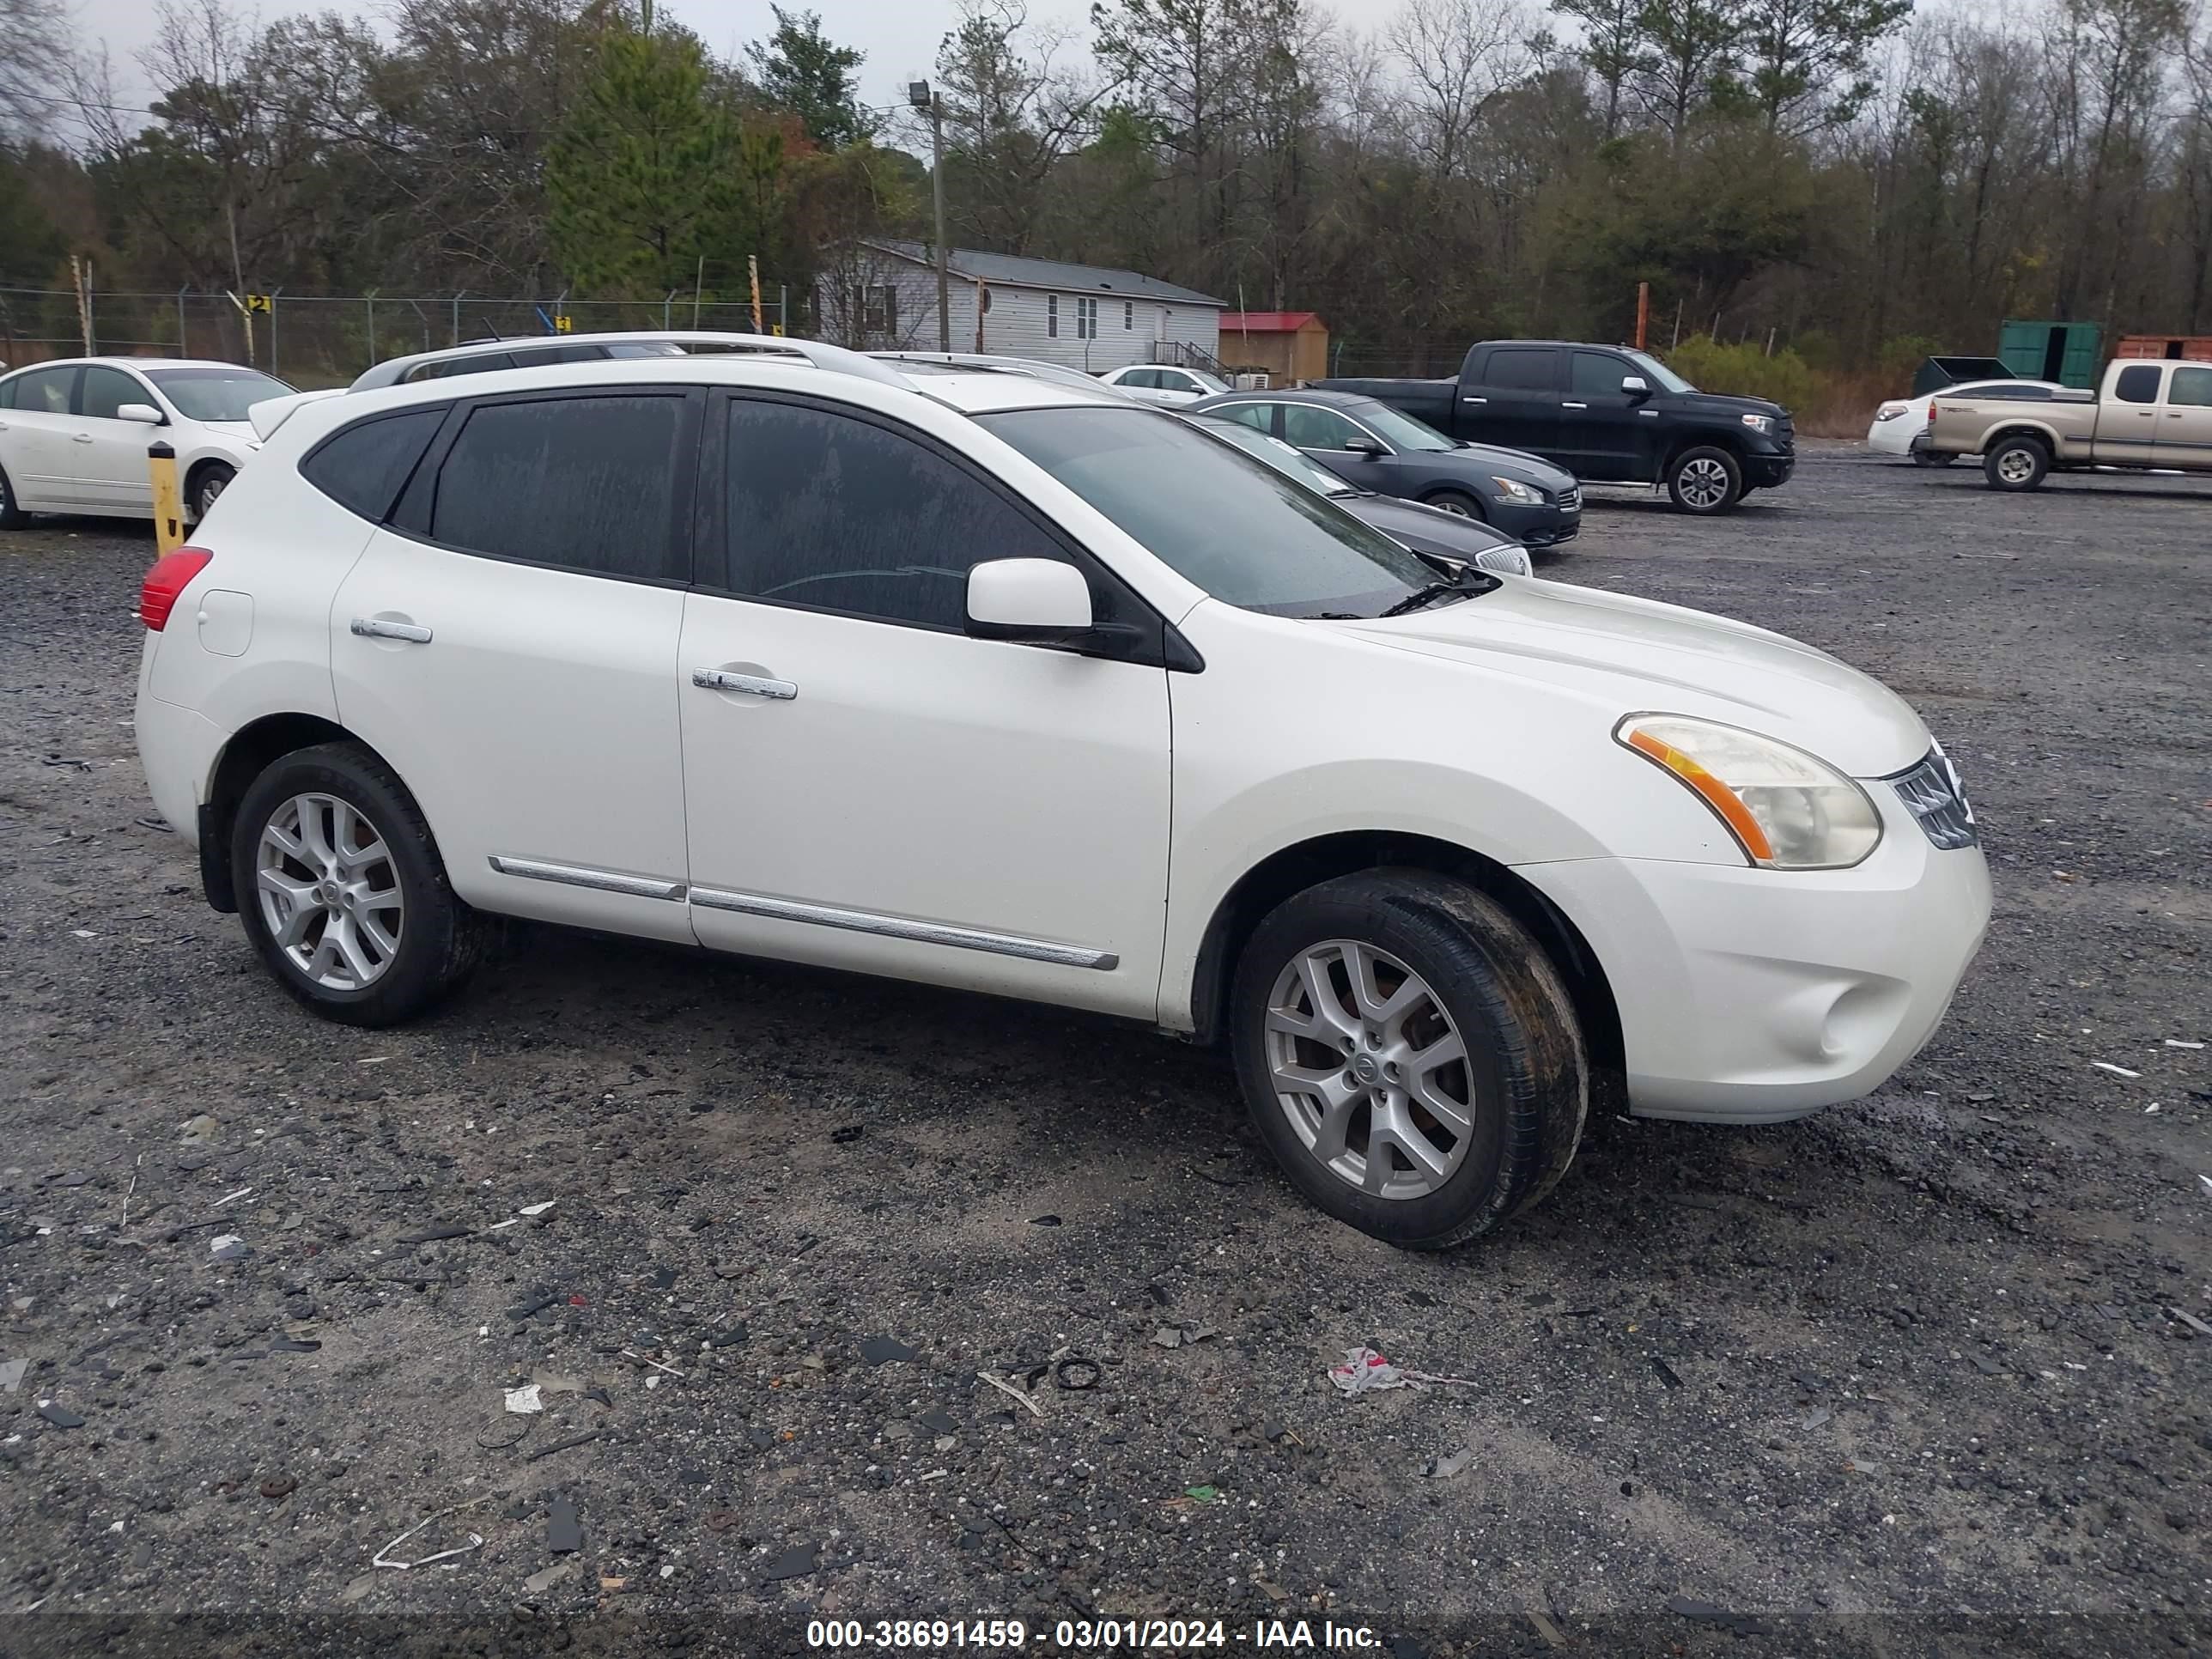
[
  {"x": 457, "y": 316},
  {"x": 273, "y": 296},
  {"x": 370, "y": 297},
  {"x": 182, "y": 350},
  {"x": 667, "y": 309}
]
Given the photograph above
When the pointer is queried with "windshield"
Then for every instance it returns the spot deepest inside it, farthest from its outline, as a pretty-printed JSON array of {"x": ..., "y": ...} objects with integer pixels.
[
  {"x": 1291, "y": 462},
  {"x": 1211, "y": 383},
  {"x": 216, "y": 393},
  {"x": 1236, "y": 527},
  {"x": 1400, "y": 431},
  {"x": 1657, "y": 373}
]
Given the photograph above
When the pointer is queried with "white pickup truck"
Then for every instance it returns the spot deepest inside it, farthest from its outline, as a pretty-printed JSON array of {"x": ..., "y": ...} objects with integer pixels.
[{"x": 2148, "y": 414}]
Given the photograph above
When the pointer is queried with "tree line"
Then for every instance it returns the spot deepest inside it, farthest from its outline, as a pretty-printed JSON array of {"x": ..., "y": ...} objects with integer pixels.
[{"x": 1852, "y": 179}]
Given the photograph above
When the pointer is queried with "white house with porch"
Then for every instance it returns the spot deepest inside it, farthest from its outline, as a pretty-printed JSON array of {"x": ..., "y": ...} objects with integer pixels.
[{"x": 1088, "y": 317}]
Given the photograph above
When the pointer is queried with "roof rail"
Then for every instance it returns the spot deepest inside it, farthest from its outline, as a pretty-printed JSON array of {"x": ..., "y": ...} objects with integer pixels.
[
  {"x": 394, "y": 371},
  {"x": 834, "y": 358}
]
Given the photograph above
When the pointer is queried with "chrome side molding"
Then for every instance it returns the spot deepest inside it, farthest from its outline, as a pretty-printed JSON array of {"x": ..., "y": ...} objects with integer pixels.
[
  {"x": 604, "y": 881},
  {"x": 924, "y": 932}
]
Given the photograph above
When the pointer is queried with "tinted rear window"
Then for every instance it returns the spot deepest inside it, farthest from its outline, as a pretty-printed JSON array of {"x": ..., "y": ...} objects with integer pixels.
[
  {"x": 2138, "y": 383},
  {"x": 1523, "y": 370},
  {"x": 364, "y": 467},
  {"x": 588, "y": 483}
]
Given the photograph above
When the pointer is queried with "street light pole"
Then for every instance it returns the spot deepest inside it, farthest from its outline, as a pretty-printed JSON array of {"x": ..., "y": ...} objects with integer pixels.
[{"x": 918, "y": 96}]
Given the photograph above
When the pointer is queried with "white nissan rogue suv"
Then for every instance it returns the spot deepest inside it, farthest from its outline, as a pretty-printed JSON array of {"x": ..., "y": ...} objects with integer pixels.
[{"x": 1036, "y": 692}]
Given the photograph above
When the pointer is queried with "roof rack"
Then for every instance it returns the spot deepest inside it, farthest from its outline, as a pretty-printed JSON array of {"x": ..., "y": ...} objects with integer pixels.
[{"x": 395, "y": 370}]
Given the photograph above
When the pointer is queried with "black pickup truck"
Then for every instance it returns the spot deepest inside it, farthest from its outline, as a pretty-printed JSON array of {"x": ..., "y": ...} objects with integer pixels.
[{"x": 1607, "y": 414}]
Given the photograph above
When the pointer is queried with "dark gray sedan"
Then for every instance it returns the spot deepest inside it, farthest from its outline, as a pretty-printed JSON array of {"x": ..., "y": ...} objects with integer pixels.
[
  {"x": 1424, "y": 529},
  {"x": 1371, "y": 446}
]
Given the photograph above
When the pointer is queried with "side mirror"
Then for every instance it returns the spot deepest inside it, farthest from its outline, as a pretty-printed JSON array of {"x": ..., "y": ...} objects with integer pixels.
[
  {"x": 1635, "y": 385},
  {"x": 1028, "y": 601},
  {"x": 1368, "y": 447},
  {"x": 144, "y": 414}
]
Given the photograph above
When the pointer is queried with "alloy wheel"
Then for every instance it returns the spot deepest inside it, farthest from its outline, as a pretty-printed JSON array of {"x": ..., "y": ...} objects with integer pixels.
[
  {"x": 1370, "y": 1070},
  {"x": 1704, "y": 482},
  {"x": 210, "y": 489},
  {"x": 2016, "y": 466},
  {"x": 1452, "y": 505},
  {"x": 330, "y": 892}
]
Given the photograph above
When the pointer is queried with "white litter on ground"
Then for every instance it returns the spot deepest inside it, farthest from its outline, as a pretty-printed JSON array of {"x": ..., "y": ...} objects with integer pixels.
[{"x": 1366, "y": 1371}]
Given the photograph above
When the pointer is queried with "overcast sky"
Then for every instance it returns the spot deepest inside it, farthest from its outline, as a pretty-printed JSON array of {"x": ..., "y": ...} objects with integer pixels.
[{"x": 899, "y": 36}]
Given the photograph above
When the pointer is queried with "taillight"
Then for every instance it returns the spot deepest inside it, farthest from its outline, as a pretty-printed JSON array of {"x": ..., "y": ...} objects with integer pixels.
[
  {"x": 172, "y": 573},
  {"x": 1931, "y": 411}
]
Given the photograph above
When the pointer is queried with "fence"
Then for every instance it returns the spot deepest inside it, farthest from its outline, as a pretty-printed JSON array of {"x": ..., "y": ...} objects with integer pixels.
[{"x": 317, "y": 339}]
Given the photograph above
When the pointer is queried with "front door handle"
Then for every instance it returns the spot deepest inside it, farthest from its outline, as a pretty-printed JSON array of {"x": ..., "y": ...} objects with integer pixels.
[
  {"x": 80, "y": 437},
  {"x": 1474, "y": 400},
  {"x": 376, "y": 628},
  {"x": 1574, "y": 405},
  {"x": 753, "y": 685}
]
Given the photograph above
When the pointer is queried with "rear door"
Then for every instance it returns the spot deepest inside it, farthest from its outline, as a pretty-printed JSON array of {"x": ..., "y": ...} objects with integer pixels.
[
  {"x": 2127, "y": 422},
  {"x": 1517, "y": 402},
  {"x": 508, "y": 640},
  {"x": 37, "y": 435},
  {"x": 111, "y": 459},
  {"x": 2184, "y": 427},
  {"x": 1327, "y": 435}
]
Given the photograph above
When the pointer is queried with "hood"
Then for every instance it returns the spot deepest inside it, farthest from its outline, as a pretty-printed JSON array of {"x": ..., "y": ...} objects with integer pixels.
[
  {"x": 1721, "y": 404},
  {"x": 1511, "y": 464},
  {"x": 1636, "y": 655},
  {"x": 1424, "y": 529},
  {"x": 242, "y": 431}
]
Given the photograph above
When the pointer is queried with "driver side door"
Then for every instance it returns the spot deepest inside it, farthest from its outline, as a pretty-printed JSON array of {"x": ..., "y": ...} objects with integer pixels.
[
  {"x": 113, "y": 475},
  {"x": 868, "y": 788}
]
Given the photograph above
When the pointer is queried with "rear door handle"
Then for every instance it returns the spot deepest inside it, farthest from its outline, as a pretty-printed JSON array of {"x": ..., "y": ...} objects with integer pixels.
[
  {"x": 376, "y": 628},
  {"x": 753, "y": 685},
  {"x": 1474, "y": 400},
  {"x": 1574, "y": 405},
  {"x": 80, "y": 437}
]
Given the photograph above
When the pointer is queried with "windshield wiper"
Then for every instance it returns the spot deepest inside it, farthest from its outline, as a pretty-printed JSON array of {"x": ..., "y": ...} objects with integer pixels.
[{"x": 1458, "y": 587}]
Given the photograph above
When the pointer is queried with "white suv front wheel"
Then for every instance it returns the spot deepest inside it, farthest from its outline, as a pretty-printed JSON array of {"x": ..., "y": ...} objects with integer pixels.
[{"x": 1410, "y": 1055}]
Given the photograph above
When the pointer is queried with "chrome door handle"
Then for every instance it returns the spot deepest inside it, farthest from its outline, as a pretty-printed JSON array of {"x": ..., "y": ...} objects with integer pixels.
[
  {"x": 80, "y": 437},
  {"x": 1474, "y": 400},
  {"x": 373, "y": 627},
  {"x": 753, "y": 685},
  {"x": 1574, "y": 405}
]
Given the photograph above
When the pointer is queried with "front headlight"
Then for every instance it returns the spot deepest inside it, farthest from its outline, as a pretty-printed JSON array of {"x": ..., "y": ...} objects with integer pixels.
[
  {"x": 1786, "y": 810},
  {"x": 1758, "y": 422},
  {"x": 1525, "y": 495}
]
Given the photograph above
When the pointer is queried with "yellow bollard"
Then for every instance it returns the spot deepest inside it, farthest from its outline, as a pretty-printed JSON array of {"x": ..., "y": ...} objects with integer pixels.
[{"x": 169, "y": 504}]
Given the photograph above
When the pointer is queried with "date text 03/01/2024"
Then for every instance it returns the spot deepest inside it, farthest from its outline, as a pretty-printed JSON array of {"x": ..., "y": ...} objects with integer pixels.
[
  {"x": 1086, "y": 1634},
  {"x": 1089, "y": 1633}
]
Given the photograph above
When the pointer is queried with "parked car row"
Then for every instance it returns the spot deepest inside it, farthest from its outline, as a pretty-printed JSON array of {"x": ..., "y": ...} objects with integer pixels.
[{"x": 1057, "y": 697}]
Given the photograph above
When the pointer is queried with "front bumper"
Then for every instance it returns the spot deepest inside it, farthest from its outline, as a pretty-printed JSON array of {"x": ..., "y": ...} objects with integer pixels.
[
  {"x": 1766, "y": 472},
  {"x": 1755, "y": 996},
  {"x": 1545, "y": 525}
]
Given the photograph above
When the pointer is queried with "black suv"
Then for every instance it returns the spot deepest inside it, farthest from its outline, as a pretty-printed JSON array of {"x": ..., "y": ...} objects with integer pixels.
[{"x": 1607, "y": 414}]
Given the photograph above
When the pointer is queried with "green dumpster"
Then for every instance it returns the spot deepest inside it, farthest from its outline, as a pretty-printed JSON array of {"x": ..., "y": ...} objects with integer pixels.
[{"x": 2069, "y": 353}]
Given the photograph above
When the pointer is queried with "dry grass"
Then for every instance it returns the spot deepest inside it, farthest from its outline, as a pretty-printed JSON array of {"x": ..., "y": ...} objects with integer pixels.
[{"x": 1843, "y": 404}]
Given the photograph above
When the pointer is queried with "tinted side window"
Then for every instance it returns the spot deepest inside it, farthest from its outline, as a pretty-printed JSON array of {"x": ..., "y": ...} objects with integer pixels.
[
  {"x": 2192, "y": 386},
  {"x": 364, "y": 467},
  {"x": 45, "y": 390},
  {"x": 1524, "y": 370},
  {"x": 589, "y": 484},
  {"x": 106, "y": 390},
  {"x": 2138, "y": 383},
  {"x": 1317, "y": 428},
  {"x": 1594, "y": 374},
  {"x": 1148, "y": 379},
  {"x": 840, "y": 514},
  {"x": 1260, "y": 416}
]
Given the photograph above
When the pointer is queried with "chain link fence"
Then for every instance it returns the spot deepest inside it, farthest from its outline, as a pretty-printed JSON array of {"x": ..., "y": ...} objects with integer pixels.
[{"x": 319, "y": 340}]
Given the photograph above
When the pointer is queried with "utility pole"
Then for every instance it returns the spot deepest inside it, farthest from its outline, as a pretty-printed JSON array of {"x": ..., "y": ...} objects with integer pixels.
[{"x": 918, "y": 96}]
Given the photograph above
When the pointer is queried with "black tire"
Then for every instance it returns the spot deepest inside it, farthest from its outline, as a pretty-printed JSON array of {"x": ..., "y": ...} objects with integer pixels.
[
  {"x": 440, "y": 939},
  {"x": 1690, "y": 478},
  {"x": 12, "y": 517},
  {"x": 1458, "y": 501},
  {"x": 210, "y": 482},
  {"x": 1932, "y": 458},
  {"x": 2019, "y": 462},
  {"x": 1527, "y": 1072}
]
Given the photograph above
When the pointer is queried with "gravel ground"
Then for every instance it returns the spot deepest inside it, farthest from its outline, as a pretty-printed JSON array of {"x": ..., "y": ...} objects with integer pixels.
[{"x": 1912, "y": 1375}]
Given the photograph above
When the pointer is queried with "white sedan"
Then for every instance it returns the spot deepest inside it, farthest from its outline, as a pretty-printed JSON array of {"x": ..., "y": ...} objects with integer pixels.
[
  {"x": 1162, "y": 383},
  {"x": 74, "y": 434},
  {"x": 991, "y": 686},
  {"x": 1901, "y": 426}
]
